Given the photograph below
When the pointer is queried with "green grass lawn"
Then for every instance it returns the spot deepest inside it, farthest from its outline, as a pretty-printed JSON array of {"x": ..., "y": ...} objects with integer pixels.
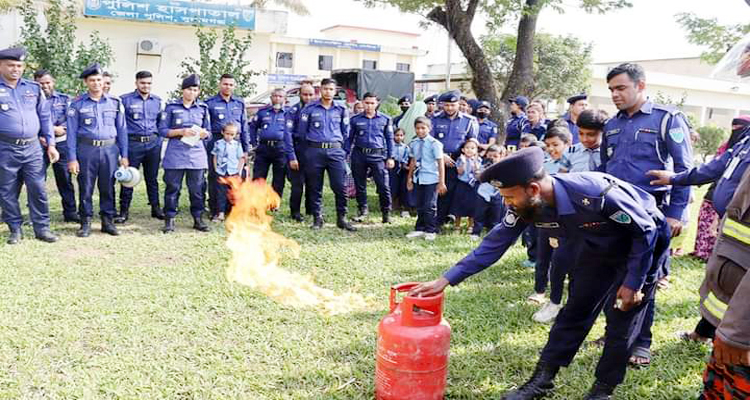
[{"x": 149, "y": 316}]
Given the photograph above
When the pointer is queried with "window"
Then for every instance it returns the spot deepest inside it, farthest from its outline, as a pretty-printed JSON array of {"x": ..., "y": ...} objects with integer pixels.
[
  {"x": 284, "y": 60},
  {"x": 369, "y": 64},
  {"x": 403, "y": 67},
  {"x": 325, "y": 63}
]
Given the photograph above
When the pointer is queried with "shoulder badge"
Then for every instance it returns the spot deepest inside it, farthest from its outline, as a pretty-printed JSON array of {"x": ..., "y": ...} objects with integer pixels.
[
  {"x": 677, "y": 134},
  {"x": 621, "y": 217},
  {"x": 510, "y": 220}
]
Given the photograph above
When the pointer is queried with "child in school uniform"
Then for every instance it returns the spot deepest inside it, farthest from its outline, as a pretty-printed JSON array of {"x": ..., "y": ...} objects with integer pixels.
[
  {"x": 467, "y": 165},
  {"x": 398, "y": 174},
  {"x": 228, "y": 160},
  {"x": 426, "y": 178},
  {"x": 488, "y": 203},
  {"x": 552, "y": 257}
]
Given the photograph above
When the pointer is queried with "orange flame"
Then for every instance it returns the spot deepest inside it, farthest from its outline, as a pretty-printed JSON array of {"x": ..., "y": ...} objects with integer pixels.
[{"x": 256, "y": 252}]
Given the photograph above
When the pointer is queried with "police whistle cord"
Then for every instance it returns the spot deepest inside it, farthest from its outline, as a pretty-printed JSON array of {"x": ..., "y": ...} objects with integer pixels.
[{"x": 257, "y": 251}]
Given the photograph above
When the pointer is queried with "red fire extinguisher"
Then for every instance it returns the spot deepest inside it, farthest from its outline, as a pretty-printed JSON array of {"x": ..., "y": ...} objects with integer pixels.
[{"x": 413, "y": 345}]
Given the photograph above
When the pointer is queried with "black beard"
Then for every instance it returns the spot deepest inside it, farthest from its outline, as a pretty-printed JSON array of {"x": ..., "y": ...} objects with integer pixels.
[{"x": 532, "y": 209}]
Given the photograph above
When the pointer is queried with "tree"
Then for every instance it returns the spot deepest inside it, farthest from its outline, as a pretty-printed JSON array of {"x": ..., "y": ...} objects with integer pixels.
[
  {"x": 456, "y": 16},
  {"x": 7, "y": 5},
  {"x": 707, "y": 32},
  {"x": 560, "y": 63},
  {"x": 211, "y": 63},
  {"x": 53, "y": 47},
  {"x": 295, "y": 6},
  {"x": 711, "y": 137}
]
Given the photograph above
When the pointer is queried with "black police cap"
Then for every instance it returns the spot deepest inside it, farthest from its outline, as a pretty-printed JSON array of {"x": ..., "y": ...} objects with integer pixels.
[
  {"x": 517, "y": 169},
  {"x": 431, "y": 99},
  {"x": 451, "y": 96},
  {"x": 190, "y": 81},
  {"x": 404, "y": 99},
  {"x": 93, "y": 69},
  {"x": 13, "y": 53},
  {"x": 580, "y": 96}
]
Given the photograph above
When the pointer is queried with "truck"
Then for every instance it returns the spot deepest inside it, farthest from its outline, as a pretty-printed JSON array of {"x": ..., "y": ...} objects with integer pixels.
[{"x": 382, "y": 83}]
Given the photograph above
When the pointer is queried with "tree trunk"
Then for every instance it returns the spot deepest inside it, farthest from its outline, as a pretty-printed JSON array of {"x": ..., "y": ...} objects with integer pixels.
[
  {"x": 457, "y": 22},
  {"x": 521, "y": 77}
]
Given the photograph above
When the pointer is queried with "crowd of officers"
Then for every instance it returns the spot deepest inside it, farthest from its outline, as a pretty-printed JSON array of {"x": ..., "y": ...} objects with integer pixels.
[{"x": 620, "y": 220}]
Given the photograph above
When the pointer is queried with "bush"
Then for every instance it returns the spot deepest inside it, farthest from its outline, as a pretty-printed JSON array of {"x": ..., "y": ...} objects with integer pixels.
[{"x": 711, "y": 137}]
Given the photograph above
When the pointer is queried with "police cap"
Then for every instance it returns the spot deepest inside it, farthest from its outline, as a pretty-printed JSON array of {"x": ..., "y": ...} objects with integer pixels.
[
  {"x": 522, "y": 101},
  {"x": 580, "y": 96},
  {"x": 516, "y": 169},
  {"x": 451, "y": 96},
  {"x": 431, "y": 99},
  {"x": 483, "y": 103},
  {"x": 190, "y": 81},
  {"x": 473, "y": 103},
  {"x": 13, "y": 53},
  {"x": 93, "y": 69},
  {"x": 405, "y": 99}
]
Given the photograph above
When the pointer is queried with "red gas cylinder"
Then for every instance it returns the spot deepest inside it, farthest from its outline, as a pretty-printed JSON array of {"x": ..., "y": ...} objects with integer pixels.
[{"x": 413, "y": 344}]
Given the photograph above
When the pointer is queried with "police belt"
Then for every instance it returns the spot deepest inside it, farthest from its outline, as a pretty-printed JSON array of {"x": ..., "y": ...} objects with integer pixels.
[
  {"x": 367, "y": 150},
  {"x": 141, "y": 139},
  {"x": 324, "y": 145},
  {"x": 19, "y": 142},
  {"x": 270, "y": 143},
  {"x": 97, "y": 142}
]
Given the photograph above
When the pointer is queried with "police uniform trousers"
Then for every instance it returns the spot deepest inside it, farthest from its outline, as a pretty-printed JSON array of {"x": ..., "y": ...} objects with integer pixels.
[
  {"x": 375, "y": 163},
  {"x": 270, "y": 155},
  {"x": 211, "y": 185},
  {"x": 321, "y": 160},
  {"x": 552, "y": 265},
  {"x": 196, "y": 182},
  {"x": 298, "y": 181},
  {"x": 426, "y": 198},
  {"x": 147, "y": 154},
  {"x": 444, "y": 202},
  {"x": 23, "y": 164},
  {"x": 97, "y": 168},
  {"x": 63, "y": 180},
  {"x": 487, "y": 214},
  {"x": 594, "y": 281}
]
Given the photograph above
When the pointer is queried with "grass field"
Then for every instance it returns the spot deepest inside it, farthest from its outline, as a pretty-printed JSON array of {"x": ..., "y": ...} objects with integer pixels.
[{"x": 149, "y": 316}]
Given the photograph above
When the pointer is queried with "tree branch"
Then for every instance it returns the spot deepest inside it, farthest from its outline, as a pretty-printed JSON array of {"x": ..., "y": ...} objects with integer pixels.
[{"x": 471, "y": 9}]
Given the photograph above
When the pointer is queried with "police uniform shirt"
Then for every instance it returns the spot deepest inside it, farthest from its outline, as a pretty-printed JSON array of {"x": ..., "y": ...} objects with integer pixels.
[
  {"x": 180, "y": 155},
  {"x": 141, "y": 115},
  {"x": 372, "y": 133},
  {"x": 275, "y": 125},
  {"x": 24, "y": 111},
  {"x": 321, "y": 125},
  {"x": 223, "y": 112},
  {"x": 573, "y": 128},
  {"x": 514, "y": 128},
  {"x": 594, "y": 212},
  {"x": 487, "y": 131},
  {"x": 726, "y": 170},
  {"x": 426, "y": 153},
  {"x": 539, "y": 130},
  {"x": 453, "y": 132},
  {"x": 583, "y": 159},
  {"x": 58, "y": 104},
  {"x": 636, "y": 144},
  {"x": 293, "y": 115},
  {"x": 96, "y": 120}
]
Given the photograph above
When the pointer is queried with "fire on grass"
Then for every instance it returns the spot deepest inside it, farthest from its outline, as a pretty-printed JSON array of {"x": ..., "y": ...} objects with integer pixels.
[{"x": 257, "y": 250}]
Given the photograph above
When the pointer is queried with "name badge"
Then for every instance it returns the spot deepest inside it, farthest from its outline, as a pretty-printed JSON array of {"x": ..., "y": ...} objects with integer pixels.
[
  {"x": 87, "y": 121},
  {"x": 221, "y": 116},
  {"x": 178, "y": 121}
]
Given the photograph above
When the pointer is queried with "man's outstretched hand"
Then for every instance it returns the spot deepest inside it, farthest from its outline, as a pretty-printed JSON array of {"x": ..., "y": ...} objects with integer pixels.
[{"x": 427, "y": 289}]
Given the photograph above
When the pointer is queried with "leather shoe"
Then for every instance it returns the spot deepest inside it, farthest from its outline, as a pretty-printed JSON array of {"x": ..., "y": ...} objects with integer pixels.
[
  {"x": 538, "y": 386},
  {"x": 298, "y": 217},
  {"x": 15, "y": 236},
  {"x": 85, "y": 230},
  {"x": 108, "y": 227},
  {"x": 122, "y": 217},
  {"x": 45, "y": 235},
  {"x": 600, "y": 391},
  {"x": 317, "y": 223},
  {"x": 386, "y": 217},
  {"x": 200, "y": 225},
  {"x": 72, "y": 218},
  {"x": 168, "y": 225},
  {"x": 157, "y": 212},
  {"x": 343, "y": 224}
]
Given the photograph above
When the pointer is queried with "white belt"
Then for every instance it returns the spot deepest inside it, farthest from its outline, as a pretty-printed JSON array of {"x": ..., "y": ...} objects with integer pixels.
[{"x": 62, "y": 138}]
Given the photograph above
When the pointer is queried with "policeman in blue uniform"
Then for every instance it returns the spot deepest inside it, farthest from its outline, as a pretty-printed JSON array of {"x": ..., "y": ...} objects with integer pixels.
[
  {"x": 224, "y": 108},
  {"x": 58, "y": 103},
  {"x": 96, "y": 137},
  {"x": 577, "y": 104},
  {"x": 645, "y": 136},
  {"x": 24, "y": 117},
  {"x": 431, "y": 102},
  {"x": 325, "y": 126},
  {"x": 517, "y": 123},
  {"x": 372, "y": 136},
  {"x": 297, "y": 177},
  {"x": 270, "y": 134},
  {"x": 596, "y": 213},
  {"x": 186, "y": 124},
  {"x": 142, "y": 113},
  {"x": 487, "y": 129},
  {"x": 451, "y": 128},
  {"x": 404, "y": 103}
]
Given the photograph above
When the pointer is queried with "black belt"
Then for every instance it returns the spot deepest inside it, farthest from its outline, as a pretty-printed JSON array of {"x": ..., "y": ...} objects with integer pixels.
[
  {"x": 367, "y": 150},
  {"x": 18, "y": 142},
  {"x": 270, "y": 143},
  {"x": 96, "y": 142},
  {"x": 324, "y": 145},
  {"x": 141, "y": 139}
]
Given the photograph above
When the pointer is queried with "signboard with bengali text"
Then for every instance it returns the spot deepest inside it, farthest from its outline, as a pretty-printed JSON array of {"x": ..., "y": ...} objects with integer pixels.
[{"x": 344, "y": 45}]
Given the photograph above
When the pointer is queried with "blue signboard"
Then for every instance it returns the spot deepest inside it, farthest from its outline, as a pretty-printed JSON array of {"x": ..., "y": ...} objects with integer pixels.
[
  {"x": 344, "y": 45},
  {"x": 173, "y": 12},
  {"x": 285, "y": 79}
]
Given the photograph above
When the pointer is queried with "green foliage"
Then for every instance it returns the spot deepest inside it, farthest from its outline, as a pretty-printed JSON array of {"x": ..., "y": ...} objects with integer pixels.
[
  {"x": 390, "y": 107},
  {"x": 7, "y": 5},
  {"x": 663, "y": 98},
  {"x": 711, "y": 137},
  {"x": 53, "y": 47},
  {"x": 296, "y": 6},
  {"x": 709, "y": 33},
  {"x": 211, "y": 63},
  {"x": 560, "y": 63}
]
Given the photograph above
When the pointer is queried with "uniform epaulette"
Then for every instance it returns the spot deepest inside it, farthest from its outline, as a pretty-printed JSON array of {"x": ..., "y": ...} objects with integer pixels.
[{"x": 670, "y": 108}]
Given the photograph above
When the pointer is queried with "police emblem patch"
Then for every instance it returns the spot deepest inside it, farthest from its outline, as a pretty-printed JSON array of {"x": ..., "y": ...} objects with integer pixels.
[
  {"x": 510, "y": 219},
  {"x": 441, "y": 135},
  {"x": 621, "y": 217},
  {"x": 304, "y": 117},
  {"x": 221, "y": 116},
  {"x": 87, "y": 121},
  {"x": 677, "y": 134},
  {"x": 4, "y": 107}
]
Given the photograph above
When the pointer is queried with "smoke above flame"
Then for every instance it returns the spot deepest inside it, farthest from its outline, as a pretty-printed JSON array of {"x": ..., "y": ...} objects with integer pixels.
[{"x": 257, "y": 251}]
